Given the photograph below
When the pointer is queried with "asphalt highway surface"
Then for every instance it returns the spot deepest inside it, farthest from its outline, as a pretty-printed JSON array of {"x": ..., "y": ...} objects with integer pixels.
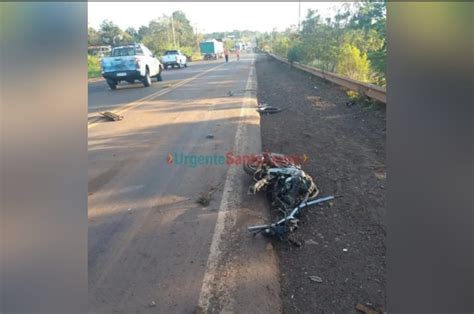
[{"x": 152, "y": 247}]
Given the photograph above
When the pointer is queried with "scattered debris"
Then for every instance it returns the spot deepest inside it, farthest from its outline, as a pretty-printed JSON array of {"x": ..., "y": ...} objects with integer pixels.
[
  {"x": 315, "y": 87},
  {"x": 311, "y": 242},
  {"x": 242, "y": 91},
  {"x": 344, "y": 250},
  {"x": 152, "y": 304},
  {"x": 210, "y": 136},
  {"x": 350, "y": 103},
  {"x": 295, "y": 242},
  {"x": 204, "y": 199},
  {"x": 367, "y": 309},
  {"x": 316, "y": 279},
  {"x": 268, "y": 109},
  {"x": 111, "y": 116}
]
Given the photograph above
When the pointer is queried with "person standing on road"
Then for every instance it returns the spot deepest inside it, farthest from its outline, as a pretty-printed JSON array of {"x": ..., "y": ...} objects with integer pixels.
[
  {"x": 237, "y": 53},
  {"x": 226, "y": 54}
]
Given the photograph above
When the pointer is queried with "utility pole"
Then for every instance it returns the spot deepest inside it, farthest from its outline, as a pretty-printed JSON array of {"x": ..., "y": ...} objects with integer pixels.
[
  {"x": 197, "y": 36},
  {"x": 299, "y": 15},
  {"x": 172, "y": 28}
]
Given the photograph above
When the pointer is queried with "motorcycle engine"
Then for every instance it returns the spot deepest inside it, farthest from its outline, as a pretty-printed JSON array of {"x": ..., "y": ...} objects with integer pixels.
[{"x": 290, "y": 190}]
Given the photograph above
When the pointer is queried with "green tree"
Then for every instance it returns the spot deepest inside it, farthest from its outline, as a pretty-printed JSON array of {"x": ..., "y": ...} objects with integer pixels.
[
  {"x": 352, "y": 42},
  {"x": 229, "y": 44},
  {"x": 142, "y": 32},
  {"x": 184, "y": 32},
  {"x": 93, "y": 37},
  {"x": 370, "y": 17},
  {"x": 353, "y": 63},
  {"x": 109, "y": 33},
  {"x": 133, "y": 33},
  {"x": 157, "y": 36}
]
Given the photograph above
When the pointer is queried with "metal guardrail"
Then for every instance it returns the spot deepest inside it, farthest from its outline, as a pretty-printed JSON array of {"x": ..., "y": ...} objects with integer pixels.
[{"x": 370, "y": 90}]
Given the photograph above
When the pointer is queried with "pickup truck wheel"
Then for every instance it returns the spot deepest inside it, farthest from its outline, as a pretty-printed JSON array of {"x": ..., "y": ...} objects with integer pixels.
[
  {"x": 179, "y": 65},
  {"x": 112, "y": 84},
  {"x": 185, "y": 65},
  {"x": 147, "y": 79}
]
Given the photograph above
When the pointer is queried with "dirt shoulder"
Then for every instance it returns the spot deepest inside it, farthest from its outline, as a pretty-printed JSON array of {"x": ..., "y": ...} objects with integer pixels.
[{"x": 343, "y": 242}]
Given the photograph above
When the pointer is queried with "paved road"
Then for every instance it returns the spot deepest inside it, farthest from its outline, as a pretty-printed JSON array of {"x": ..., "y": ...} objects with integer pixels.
[
  {"x": 152, "y": 248},
  {"x": 101, "y": 98}
]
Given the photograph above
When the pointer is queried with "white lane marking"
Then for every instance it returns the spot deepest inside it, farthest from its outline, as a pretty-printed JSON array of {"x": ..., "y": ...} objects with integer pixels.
[{"x": 225, "y": 216}]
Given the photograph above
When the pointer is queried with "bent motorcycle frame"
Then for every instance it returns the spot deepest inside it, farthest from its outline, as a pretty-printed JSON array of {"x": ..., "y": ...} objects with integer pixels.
[{"x": 271, "y": 228}]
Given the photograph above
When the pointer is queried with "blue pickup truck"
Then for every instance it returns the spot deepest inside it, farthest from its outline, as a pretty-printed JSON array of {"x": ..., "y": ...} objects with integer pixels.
[{"x": 130, "y": 63}]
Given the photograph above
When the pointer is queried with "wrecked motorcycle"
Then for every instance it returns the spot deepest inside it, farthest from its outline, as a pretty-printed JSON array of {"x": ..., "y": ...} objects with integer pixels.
[
  {"x": 288, "y": 187},
  {"x": 282, "y": 178},
  {"x": 289, "y": 223},
  {"x": 257, "y": 165}
]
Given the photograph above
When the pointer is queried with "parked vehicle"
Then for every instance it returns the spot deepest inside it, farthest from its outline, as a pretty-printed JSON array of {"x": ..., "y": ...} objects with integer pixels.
[
  {"x": 130, "y": 63},
  {"x": 212, "y": 49},
  {"x": 174, "y": 58},
  {"x": 100, "y": 51}
]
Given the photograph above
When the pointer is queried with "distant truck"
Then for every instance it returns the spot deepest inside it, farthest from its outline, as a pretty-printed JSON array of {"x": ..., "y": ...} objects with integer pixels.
[
  {"x": 130, "y": 63},
  {"x": 174, "y": 58},
  {"x": 212, "y": 49}
]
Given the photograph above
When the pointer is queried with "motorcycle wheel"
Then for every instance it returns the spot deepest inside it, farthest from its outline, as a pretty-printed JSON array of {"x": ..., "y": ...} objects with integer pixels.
[{"x": 251, "y": 167}]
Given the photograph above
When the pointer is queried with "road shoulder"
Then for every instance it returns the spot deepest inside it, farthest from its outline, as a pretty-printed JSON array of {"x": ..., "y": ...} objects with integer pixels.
[
  {"x": 242, "y": 273},
  {"x": 342, "y": 242}
]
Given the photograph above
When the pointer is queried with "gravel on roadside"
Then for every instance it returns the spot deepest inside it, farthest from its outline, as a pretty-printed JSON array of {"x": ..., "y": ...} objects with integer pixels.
[{"x": 341, "y": 262}]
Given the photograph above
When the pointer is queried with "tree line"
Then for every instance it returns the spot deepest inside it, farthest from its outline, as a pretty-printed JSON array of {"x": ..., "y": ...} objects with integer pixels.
[
  {"x": 164, "y": 33},
  {"x": 351, "y": 43}
]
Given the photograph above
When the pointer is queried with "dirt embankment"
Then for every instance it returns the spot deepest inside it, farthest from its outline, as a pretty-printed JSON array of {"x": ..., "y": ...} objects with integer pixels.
[{"x": 343, "y": 241}]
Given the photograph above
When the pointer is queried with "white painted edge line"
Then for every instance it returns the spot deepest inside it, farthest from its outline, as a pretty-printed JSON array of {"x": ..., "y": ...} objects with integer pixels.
[{"x": 224, "y": 215}]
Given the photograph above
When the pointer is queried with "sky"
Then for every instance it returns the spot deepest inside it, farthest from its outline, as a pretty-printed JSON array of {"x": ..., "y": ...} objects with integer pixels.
[{"x": 207, "y": 17}]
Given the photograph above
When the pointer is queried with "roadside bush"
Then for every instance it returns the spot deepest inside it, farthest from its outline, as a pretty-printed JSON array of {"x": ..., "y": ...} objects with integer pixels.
[
  {"x": 353, "y": 64},
  {"x": 196, "y": 56},
  {"x": 93, "y": 66},
  {"x": 187, "y": 51},
  {"x": 281, "y": 45},
  {"x": 295, "y": 54}
]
